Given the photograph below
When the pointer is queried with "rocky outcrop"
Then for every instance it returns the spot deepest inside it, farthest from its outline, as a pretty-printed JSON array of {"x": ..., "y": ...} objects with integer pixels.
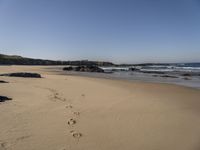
[
  {"x": 133, "y": 69},
  {"x": 186, "y": 74},
  {"x": 23, "y": 74},
  {"x": 191, "y": 74},
  {"x": 169, "y": 76},
  {"x": 84, "y": 69},
  {"x": 4, "y": 98},
  {"x": 2, "y": 81},
  {"x": 69, "y": 68},
  {"x": 153, "y": 72}
]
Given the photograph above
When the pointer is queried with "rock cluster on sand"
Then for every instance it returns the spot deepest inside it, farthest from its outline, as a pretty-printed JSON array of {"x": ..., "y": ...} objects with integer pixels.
[
  {"x": 191, "y": 74},
  {"x": 133, "y": 69},
  {"x": 84, "y": 69},
  {"x": 23, "y": 74},
  {"x": 2, "y": 81},
  {"x": 4, "y": 98},
  {"x": 168, "y": 76},
  {"x": 187, "y": 74}
]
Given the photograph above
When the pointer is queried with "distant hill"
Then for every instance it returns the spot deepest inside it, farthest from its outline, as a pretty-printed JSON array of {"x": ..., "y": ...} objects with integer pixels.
[{"x": 19, "y": 60}]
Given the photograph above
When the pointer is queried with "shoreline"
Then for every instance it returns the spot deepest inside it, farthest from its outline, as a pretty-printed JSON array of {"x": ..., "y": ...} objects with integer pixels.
[
  {"x": 131, "y": 81},
  {"x": 58, "y": 70},
  {"x": 89, "y": 75}
]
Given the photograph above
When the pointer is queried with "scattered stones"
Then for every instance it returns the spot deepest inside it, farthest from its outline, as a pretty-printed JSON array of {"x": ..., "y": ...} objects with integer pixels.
[
  {"x": 23, "y": 74},
  {"x": 4, "y": 98}
]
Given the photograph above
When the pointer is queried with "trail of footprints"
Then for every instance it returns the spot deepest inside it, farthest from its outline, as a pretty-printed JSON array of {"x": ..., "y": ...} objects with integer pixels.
[
  {"x": 3, "y": 146},
  {"x": 8, "y": 145},
  {"x": 73, "y": 120},
  {"x": 56, "y": 96}
]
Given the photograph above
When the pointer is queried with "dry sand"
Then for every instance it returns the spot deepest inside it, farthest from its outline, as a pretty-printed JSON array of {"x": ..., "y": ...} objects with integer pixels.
[{"x": 78, "y": 113}]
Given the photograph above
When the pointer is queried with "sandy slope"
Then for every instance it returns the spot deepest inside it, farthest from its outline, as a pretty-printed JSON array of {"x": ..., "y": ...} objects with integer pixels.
[{"x": 78, "y": 113}]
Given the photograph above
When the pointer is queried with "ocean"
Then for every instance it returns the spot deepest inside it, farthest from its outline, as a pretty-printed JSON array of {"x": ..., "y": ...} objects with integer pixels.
[{"x": 185, "y": 74}]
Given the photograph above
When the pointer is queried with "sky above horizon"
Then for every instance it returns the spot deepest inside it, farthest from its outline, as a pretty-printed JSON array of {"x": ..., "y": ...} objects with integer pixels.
[{"x": 121, "y": 31}]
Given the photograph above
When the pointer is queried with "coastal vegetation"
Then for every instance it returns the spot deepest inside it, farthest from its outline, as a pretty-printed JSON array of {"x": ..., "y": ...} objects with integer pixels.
[{"x": 19, "y": 60}]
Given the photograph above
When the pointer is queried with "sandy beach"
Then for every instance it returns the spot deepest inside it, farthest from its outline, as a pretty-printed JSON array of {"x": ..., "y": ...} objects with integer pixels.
[{"x": 63, "y": 112}]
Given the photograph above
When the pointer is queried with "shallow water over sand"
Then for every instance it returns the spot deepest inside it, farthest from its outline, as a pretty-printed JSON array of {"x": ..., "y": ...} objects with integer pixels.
[{"x": 174, "y": 78}]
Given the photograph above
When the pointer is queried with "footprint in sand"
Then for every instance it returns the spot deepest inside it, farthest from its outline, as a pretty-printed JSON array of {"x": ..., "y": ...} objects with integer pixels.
[
  {"x": 76, "y": 113},
  {"x": 56, "y": 95},
  {"x": 71, "y": 121},
  {"x": 22, "y": 138},
  {"x": 4, "y": 146},
  {"x": 63, "y": 149},
  {"x": 76, "y": 135},
  {"x": 69, "y": 106}
]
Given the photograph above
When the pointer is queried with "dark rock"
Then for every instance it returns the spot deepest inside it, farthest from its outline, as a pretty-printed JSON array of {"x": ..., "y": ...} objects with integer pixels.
[
  {"x": 1, "y": 81},
  {"x": 186, "y": 78},
  {"x": 155, "y": 75},
  {"x": 168, "y": 76},
  {"x": 68, "y": 68},
  {"x": 133, "y": 69},
  {"x": 94, "y": 69},
  {"x": 4, "y": 98},
  {"x": 23, "y": 74},
  {"x": 84, "y": 69},
  {"x": 186, "y": 74},
  {"x": 153, "y": 72}
]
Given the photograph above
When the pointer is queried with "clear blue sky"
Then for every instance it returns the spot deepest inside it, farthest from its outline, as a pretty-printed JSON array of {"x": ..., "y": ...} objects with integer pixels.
[{"x": 122, "y": 31}]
